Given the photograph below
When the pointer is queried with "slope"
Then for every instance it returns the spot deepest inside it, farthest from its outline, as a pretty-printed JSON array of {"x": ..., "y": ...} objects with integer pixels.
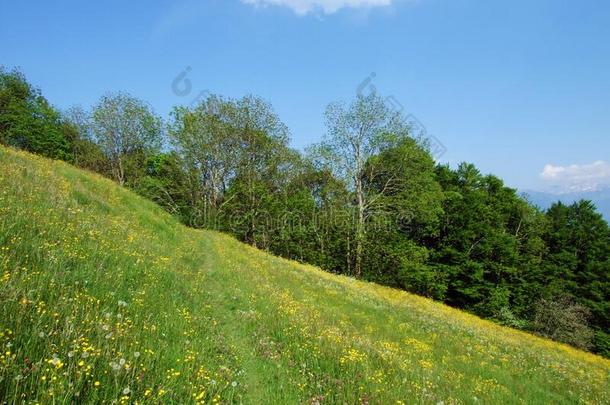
[{"x": 106, "y": 297}]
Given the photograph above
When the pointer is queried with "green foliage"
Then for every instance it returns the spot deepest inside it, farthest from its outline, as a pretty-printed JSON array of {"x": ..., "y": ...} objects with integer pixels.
[
  {"x": 27, "y": 120},
  {"x": 315, "y": 221},
  {"x": 578, "y": 260},
  {"x": 579, "y": 239},
  {"x": 166, "y": 183},
  {"x": 563, "y": 320},
  {"x": 126, "y": 130},
  {"x": 601, "y": 342},
  {"x": 404, "y": 207},
  {"x": 491, "y": 240},
  {"x": 507, "y": 317},
  {"x": 356, "y": 133}
]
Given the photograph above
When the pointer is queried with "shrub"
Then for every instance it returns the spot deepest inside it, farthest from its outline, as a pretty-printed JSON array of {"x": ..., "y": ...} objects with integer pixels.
[{"x": 563, "y": 320}]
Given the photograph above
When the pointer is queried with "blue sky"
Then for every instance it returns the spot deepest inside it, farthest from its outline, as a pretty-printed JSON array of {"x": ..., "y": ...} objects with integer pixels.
[{"x": 520, "y": 88}]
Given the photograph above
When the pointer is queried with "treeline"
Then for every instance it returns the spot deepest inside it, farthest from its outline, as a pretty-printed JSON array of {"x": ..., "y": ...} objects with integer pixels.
[{"x": 368, "y": 201}]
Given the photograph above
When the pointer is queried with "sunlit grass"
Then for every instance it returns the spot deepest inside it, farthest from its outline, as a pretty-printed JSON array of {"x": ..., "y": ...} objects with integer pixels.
[{"x": 107, "y": 298}]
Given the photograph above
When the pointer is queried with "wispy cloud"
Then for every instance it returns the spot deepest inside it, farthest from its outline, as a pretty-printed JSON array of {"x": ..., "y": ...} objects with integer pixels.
[
  {"x": 179, "y": 14},
  {"x": 303, "y": 7},
  {"x": 576, "y": 177}
]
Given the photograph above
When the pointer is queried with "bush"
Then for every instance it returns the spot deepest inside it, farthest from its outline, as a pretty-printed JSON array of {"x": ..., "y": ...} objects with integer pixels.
[
  {"x": 563, "y": 320},
  {"x": 601, "y": 342},
  {"x": 506, "y": 317}
]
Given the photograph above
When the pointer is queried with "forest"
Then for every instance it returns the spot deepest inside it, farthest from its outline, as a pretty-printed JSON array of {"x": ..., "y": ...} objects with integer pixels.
[{"x": 368, "y": 201}]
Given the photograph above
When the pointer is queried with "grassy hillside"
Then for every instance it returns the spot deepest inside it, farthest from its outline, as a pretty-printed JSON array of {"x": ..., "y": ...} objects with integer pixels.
[{"x": 105, "y": 297}]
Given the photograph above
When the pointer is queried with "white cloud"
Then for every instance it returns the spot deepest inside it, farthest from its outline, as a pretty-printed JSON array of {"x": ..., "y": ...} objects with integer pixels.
[
  {"x": 303, "y": 7},
  {"x": 585, "y": 177}
]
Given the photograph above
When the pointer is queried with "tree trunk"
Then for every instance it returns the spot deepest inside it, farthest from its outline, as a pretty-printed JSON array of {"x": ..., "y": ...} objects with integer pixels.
[
  {"x": 121, "y": 173},
  {"x": 359, "y": 228}
]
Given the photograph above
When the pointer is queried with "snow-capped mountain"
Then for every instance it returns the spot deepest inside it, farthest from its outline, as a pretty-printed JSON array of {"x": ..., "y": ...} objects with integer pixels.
[{"x": 600, "y": 197}]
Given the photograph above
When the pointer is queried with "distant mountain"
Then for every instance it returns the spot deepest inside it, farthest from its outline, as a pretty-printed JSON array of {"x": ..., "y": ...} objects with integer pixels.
[{"x": 601, "y": 199}]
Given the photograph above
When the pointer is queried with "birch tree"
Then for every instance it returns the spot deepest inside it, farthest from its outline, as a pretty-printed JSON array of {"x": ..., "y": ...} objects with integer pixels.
[
  {"x": 124, "y": 126},
  {"x": 355, "y": 133},
  {"x": 205, "y": 138}
]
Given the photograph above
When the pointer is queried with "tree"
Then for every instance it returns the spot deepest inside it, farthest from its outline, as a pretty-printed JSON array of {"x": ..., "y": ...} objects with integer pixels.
[
  {"x": 84, "y": 152},
  {"x": 166, "y": 183},
  {"x": 489, "y": 244},
  {"x": 27, "y": 120},
  {"x": 355, "y": 133},
  {"x": 264, "y": 166},
  {"x": 233, "y": 150},
  {"x": 577, "y": 263},
  {"x": 405, "y": 202},
  {"x": 126, "y": 130},
  {"x": 205, "y": 139},
  {"x": 400, "y": 181}
]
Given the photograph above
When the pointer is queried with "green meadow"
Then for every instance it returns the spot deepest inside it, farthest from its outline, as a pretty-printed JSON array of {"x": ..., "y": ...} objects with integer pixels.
[{"x": 106, "y": 298}]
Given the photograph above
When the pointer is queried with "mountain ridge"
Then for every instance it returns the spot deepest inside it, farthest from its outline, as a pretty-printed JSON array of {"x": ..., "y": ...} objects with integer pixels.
[{"x": 544, "y": 199}]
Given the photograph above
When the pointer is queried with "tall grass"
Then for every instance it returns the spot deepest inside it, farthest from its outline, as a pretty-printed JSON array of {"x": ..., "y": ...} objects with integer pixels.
[{"x": 107, "y": 298}]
